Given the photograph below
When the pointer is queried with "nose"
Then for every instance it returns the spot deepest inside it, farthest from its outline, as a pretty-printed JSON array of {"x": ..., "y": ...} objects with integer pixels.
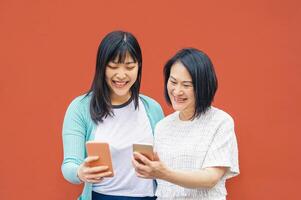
[
  {"x": 121, "y": 74},
  {"x": 177, "y": 90}
]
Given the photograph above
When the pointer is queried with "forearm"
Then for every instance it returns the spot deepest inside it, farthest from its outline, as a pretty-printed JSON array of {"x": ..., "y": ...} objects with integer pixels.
[
  {"x": 73, "y": 157},
  {"x": 198, "y": 178},
  {"x": 203, "y": 178},
  {"x": 69, "y": 171}
]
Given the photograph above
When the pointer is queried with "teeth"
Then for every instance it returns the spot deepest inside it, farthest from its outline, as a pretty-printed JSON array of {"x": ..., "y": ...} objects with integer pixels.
[
  {"x": 179, "y": 100},
  {"x": 119, "y": 84}
]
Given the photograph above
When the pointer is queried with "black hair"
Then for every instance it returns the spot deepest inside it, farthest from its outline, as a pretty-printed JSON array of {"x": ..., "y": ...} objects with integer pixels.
[
  {"x": 115, "y": 45},
  {"x": 203, "y": 76}
]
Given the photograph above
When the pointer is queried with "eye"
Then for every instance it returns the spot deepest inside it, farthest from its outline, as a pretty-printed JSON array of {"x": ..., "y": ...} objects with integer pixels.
[
  {"x": 112, "y": 66},
  {"x": 130, "y": 67},
  {"x": 187, "y": 86},
  {"x": 172, "y": 82}
]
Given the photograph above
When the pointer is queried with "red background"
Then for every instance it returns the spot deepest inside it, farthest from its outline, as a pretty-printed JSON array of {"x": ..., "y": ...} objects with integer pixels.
[{"x": 47, "y": 57}]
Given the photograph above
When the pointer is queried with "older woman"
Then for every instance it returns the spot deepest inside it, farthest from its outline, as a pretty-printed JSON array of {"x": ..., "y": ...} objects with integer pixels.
[{"x": 196, "y": 145}]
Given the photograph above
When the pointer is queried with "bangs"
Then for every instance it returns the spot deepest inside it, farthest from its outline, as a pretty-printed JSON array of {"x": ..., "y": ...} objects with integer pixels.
[{"x": 121, "y": 51}]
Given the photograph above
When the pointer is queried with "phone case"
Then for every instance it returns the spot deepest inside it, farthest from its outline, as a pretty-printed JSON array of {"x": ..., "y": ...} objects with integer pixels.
[
  {"x": 102, "y": 150},
  {"x": 144, "y": 149}
]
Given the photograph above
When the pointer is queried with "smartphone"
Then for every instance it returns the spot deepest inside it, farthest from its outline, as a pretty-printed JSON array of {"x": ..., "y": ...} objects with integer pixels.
[
  {"x": 102, "y": 150},
  {"x": 144, "y": 149}
]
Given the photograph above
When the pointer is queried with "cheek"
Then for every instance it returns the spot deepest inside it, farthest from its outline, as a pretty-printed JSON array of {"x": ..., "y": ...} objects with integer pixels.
[
  {"x": 191, "y": 96},
  {"x": 134, "y": 75},
  {"x": 108, "y": 74},
  {"x": 169, "y": 89}
]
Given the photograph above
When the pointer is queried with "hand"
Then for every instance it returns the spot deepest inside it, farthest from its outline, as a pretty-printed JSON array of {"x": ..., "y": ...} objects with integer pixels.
[
  {"x": 92, "y": 174},
  {"x": 148, "y": 169}
]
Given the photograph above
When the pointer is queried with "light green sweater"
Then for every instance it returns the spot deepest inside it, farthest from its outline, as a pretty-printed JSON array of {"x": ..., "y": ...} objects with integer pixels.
[{"x": 78, "y": 128}]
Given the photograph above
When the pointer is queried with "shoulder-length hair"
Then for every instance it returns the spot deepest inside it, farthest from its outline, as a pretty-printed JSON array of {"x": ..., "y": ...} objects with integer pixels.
[
  {"x": 203, "y": 76},
  {"x": 115, "y": 45}
]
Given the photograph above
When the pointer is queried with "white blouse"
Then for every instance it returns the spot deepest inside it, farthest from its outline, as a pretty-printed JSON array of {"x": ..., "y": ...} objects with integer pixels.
[{"x": 207, "y": 141}]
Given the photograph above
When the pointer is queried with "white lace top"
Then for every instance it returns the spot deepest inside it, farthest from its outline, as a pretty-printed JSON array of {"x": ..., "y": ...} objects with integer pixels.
[{"x": 207, "y": 141}]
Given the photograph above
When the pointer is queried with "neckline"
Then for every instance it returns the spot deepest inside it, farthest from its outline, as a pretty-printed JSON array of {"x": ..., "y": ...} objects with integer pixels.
[
  {"x": 122, "y": 105},
  {"x": 186, "y": 122}
]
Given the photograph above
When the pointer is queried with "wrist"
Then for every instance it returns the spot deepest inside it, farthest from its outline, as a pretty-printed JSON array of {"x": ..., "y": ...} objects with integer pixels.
[
  {"x": 78, "y": 174},
  {"x": 167, "y": 173}
]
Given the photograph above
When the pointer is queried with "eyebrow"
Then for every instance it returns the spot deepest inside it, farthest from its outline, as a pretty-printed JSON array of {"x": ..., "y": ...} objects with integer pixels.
[{"x": 183, "y": 81}]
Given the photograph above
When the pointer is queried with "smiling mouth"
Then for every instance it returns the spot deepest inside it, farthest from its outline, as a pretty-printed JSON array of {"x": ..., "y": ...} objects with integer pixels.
[
  {"x": 179, "y": 100},
  {"x": 119, "y": 84}
]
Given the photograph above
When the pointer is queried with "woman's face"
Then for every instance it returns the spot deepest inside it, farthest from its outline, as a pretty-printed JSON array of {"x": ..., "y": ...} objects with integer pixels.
[
  {"x": 180, "y": 90},
  {"x": 120, "y": 77}
]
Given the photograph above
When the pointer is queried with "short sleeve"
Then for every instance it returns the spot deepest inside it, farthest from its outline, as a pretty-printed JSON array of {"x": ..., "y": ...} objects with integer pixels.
[{"x": 223, "y": 151}]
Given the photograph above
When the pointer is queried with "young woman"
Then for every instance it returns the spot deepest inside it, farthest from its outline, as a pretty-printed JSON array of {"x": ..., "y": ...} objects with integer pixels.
[
  {"x": 112, "y": 111},
  {"x": 196, "y": 145}
]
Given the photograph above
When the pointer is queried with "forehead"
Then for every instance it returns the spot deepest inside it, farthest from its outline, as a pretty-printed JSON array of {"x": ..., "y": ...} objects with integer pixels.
[{"x": 179, "y": 72}]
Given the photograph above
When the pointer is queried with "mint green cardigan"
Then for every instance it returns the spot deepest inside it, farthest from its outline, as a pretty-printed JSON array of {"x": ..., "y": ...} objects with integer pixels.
[{"x": 78, "y": 128}]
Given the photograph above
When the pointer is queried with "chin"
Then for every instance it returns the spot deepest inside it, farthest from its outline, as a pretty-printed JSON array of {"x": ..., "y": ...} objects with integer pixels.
[
  {"x": 121, "y": 93},
  {"x": 178, "y": 107}
]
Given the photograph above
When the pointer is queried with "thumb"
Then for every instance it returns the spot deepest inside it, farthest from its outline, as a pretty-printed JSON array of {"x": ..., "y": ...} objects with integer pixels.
[
  {"x": 90, "y": 159},
  {"x": 156, "y": 156}
]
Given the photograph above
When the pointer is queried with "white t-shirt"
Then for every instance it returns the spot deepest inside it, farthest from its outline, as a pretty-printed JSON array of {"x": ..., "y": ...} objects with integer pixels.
[
  {"x": 208, "y": 141},
  {"x": 126, "y": 127}
]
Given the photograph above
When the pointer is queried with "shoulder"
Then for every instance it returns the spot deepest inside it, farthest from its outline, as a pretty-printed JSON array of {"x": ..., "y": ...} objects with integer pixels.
[
  {"x": 81, "y": 100},
  {"x": 167, "y": 120},
  {"x": 151, "y": 105},
  {"x": 221, "y": 114},
  {"x": 170, "y": 117},
  {"x": 79, "y": 106},
  {"x": 150, "y": 102},
  {"x": 221, "y": 117},
  {"x": 153, "y": 109}
]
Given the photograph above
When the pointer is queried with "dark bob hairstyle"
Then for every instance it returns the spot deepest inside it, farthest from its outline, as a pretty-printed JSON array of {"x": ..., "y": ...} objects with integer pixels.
[
  {"x": 202, "y": 74},
  {"x": 115, "y": 45}
]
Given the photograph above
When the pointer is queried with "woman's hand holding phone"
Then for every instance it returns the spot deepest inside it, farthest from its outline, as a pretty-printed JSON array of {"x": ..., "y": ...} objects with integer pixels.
[
  {"x": 90, "y": 174},
  {"x": 148, "y": 169}
]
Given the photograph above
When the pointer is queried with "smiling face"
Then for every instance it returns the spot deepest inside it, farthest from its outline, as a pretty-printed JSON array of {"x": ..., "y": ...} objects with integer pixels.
[
  {"x": 180, "y": 91},
  {"x": 120, "y": 77}
]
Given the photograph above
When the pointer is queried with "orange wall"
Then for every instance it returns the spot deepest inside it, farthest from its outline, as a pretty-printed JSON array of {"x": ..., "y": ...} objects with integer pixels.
[{"x": 47, "y": 57}]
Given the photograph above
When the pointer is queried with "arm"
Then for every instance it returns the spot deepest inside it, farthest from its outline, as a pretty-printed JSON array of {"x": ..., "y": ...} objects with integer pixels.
[
  {"x": 156, "y": 169},
  {"x": 73, "y": 141},
  {"x": 76, "y": 168},
  {"x": 206, "y": 178}
]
